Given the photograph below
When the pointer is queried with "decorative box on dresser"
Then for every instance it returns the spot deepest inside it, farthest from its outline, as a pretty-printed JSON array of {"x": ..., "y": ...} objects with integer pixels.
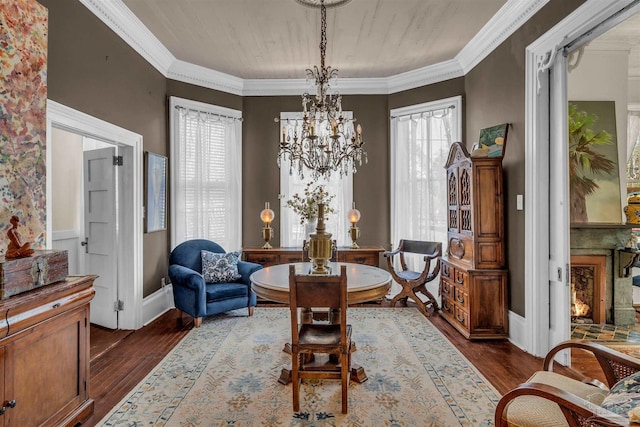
[
  {"x": 44, "y": 355},
  {"x": 473, "y": 281}
]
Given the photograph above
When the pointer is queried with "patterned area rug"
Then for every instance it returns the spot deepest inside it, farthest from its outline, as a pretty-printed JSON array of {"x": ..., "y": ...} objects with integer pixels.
[{"x": 225, "y": 374}]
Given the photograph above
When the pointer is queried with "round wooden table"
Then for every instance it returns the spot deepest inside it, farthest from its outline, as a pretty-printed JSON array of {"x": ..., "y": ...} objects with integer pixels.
[{"x": 364, "y": 282}]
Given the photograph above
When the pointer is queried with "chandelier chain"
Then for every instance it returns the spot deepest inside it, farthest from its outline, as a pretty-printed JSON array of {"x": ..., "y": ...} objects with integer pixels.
[{"x": 323, "y": 34}]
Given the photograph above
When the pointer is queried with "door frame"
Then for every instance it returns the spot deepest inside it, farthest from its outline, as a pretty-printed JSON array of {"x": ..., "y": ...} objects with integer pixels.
[
  {"x": 130, "y": 280},
  {"x": 540, "y": 57}
]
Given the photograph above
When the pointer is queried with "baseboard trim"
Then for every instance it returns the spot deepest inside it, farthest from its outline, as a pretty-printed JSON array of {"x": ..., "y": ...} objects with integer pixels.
[
  {"x": 517, "y": 331},
  {"x": 156, "y": 304}
]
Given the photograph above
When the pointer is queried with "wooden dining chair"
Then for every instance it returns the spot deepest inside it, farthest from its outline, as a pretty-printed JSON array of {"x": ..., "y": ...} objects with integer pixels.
[
  {"x": 416, "y": 281},
  {"x": 309, "y": 339}
]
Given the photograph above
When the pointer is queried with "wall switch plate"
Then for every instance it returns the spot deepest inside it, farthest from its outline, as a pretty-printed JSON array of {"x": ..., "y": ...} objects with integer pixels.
[{"x": 519, "y": 202}]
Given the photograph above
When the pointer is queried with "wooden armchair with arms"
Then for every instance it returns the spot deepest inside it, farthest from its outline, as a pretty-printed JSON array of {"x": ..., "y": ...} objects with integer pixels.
[
  {"x": 552, "y": 399},
  {"x": 415, "y": 281},
  {"x": 308, "y": 338}
]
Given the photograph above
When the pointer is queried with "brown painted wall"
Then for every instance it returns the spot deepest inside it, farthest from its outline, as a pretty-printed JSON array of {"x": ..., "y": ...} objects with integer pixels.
[
  {"x": 93, "y": 70},
  {"x": 261, "y": 176},
  {"x": 495, "y": 93}
]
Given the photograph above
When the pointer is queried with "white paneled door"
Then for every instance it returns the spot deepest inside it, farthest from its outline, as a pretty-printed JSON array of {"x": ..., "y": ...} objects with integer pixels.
[{"x": 100, "y": 233}]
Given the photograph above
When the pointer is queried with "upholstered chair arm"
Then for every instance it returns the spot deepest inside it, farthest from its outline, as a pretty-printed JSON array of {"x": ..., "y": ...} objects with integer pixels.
[
  {"x": 577, "y": 411},
  {"x": 615, "y": 365},
  {"x": 189, "y": 290},
  {"x": 246, "y": 269},
  {"x": 183, "y": 276}
]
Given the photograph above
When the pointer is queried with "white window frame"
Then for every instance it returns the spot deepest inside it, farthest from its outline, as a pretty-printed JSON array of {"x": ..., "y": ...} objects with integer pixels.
[
  {"x": 174, "y": 102},
  {"x": 456, "y": 133}
]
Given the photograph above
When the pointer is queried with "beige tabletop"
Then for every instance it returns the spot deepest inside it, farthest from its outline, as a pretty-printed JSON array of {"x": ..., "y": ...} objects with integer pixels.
[{"x": 364, "y": 282}]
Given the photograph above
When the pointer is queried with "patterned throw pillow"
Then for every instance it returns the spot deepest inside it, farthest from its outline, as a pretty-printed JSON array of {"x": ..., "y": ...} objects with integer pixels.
[
  {"x": 220, "y": 268},
  {"x": 624, "y": 395}
]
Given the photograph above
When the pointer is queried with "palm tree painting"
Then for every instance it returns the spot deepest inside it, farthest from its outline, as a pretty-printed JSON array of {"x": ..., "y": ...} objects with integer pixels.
[{"x": 594, "y": 182}]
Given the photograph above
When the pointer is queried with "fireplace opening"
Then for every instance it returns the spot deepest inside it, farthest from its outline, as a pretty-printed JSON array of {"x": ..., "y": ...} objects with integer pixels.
[{"x": 588, "y": 287}]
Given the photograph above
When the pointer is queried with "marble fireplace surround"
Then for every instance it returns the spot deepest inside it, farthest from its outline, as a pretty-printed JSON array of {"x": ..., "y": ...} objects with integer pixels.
[{"x": 608, "y": 240}]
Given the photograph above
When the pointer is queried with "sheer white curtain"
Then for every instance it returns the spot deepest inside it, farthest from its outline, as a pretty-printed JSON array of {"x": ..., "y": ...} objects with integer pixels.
[
  {"x": 420, "y": 139},
  {"x": 206, "y": 173},
  {"x": 633, "y": 147},
  {"x": 633, "y": 131},
  {"x": 292, "y": 233}
]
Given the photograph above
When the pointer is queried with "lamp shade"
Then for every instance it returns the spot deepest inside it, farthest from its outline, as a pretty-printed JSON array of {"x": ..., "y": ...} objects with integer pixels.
[
  {"x": 354, "y": 214},
  {"x": 267, "y": 215}
]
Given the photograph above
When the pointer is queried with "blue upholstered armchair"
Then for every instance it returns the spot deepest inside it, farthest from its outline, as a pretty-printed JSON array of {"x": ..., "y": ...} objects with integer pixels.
[{"x": 197, "y": 298}]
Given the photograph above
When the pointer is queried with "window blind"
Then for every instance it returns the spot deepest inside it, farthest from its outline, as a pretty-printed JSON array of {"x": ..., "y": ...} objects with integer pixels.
[{"x": 206, "y": 175}]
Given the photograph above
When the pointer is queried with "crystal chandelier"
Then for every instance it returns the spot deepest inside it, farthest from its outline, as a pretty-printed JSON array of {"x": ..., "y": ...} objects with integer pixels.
[{"x": 326, "y": 141}]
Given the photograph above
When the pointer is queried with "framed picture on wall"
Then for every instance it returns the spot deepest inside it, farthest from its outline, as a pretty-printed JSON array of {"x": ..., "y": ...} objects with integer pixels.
[
  {"x": 156, "y": 187},
  {"x": 494, "y": 140}
]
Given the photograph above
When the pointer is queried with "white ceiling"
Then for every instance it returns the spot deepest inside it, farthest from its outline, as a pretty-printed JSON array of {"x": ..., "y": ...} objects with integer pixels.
[
  {"x": 279, "y": 39},
  {"x": 263, "y": 47}
]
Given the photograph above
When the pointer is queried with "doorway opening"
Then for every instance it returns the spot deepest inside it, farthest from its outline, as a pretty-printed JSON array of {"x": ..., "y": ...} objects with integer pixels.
[
  {"x": 95, "y": 209},
  {"x": 548, "y": 308}
]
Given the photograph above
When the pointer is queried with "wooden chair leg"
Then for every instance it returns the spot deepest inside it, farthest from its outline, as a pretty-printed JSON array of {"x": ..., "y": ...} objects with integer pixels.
[
  {"x": 423, "y": 289},
  {"x": 295, "y": 381},
  {"x": 197, "y": 322},
  {"x": 401, "y": 296},
  {"x": 345, "y": 381},
  {"x": 251, "y": 311},
  {"x": 179, "y": 314},
  {"x": 421, "y": 305}
]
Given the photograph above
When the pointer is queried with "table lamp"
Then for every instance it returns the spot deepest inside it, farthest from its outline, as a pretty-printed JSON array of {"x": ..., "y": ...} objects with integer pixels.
[
  {"x": 354, "y": 231},
  {"x": 267, "y": 215}
]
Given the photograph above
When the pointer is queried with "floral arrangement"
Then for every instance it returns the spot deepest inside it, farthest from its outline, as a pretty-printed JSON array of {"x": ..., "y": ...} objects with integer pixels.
[{"x": 306, "y": 206}]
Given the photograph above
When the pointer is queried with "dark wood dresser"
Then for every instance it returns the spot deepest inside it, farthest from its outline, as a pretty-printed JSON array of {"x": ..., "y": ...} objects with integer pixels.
[
  {"x": 473, "y": 281},
  {"x": 369, "y": 255},
  {"x": 44, "y": 355}
]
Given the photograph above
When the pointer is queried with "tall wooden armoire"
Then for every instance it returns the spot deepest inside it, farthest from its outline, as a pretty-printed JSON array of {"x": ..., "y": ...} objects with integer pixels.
[{"x": 473, "y": 281}]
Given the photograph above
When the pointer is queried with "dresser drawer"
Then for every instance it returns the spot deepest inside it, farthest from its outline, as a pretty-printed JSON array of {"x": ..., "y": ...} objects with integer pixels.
[
  {"x": 446, "y": 270},
  {"x": 460, "y": 296},
  {"x": 288, "y": 258},
  {"x": 446, "y": 288},
  {"x": 261, "y": 258},
  {"x": 461, "y": 316},
  {"x": 368, "y": 258},
  {"x": 460, "y": 278},
  {"x": 447, "y": 306}
]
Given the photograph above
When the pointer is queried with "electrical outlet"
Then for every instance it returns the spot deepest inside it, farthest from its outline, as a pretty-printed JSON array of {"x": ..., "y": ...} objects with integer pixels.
[{"x": 163, "y": 282}]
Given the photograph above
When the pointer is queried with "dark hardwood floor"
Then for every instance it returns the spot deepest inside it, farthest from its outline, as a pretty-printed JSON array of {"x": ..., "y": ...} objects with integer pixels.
[{"x": 121, "y": 359}]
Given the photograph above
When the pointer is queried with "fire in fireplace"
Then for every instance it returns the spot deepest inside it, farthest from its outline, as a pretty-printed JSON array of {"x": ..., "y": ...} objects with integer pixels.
[{"x": 588, "y": 289}]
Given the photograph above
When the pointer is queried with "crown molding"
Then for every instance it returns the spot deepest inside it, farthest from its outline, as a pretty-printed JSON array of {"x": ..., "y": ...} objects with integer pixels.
[
  {"x": 190, "y": 73},
  {"x": 424, "y": 76},
  {"x": 346, "y": 86},
  {"x": 117, "y": 16},
  {"x": 505, "y": 22},
  {"x": 120, "y": 19}
]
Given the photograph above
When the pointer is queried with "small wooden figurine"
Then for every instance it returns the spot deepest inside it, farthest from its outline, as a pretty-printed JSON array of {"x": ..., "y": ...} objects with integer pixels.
[{"x": 16, "y": 248}]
